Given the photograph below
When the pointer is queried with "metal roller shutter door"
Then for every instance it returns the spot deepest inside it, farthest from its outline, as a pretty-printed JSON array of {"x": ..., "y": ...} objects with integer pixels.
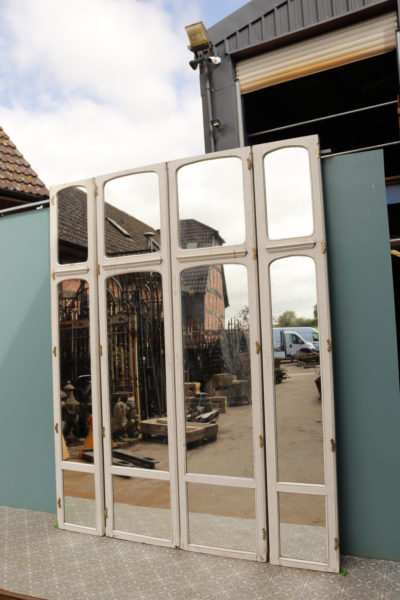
[{"x": 348, "y": 44}]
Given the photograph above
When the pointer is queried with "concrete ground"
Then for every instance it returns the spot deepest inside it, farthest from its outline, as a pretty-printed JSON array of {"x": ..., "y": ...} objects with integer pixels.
[{"x": 39, "y": 560}]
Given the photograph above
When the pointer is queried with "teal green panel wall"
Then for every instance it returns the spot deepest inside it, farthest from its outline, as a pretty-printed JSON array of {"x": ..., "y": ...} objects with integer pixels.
[
  {"x": 365, "y": 355},
  {"x": 26, "y": 412}
]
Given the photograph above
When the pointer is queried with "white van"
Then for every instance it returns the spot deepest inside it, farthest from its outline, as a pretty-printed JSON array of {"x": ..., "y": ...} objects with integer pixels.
[{"x": 288, "y": 341}]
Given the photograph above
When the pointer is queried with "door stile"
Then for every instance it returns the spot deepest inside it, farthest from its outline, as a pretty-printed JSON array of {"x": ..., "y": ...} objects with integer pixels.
[
  {"x": 85, "y": 271},
  {"x": 158, "y": 263},
  {"x": 182, "y": 259},
  {"x": 313, "y": 247}
]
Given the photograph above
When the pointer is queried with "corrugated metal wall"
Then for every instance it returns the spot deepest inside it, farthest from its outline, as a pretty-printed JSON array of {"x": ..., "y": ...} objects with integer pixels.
[{"x": 263, "y": 20}]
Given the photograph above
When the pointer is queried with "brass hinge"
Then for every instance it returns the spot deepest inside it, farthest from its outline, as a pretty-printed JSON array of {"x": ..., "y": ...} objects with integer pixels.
[
  {"x": 336, "y": 544},
  {"x": 261, "y": 441},
  {"x": 100, "y": 350},
  {"x": 52, "y": 200},
  {"x": 329, "y": 345},
  {"x": 55, "y": 351},
  {"x": 56, "y": 427},
  {"x": 323, "y": 247},
  {"x": 249, "y": 163},
  {"x": 264, "y": 533},
  {"x": 254, "y": 253},
  {"x": 258, "y": 347},
  {"x": 98, "y": 269},
  {"x": 96, "y": 190},
  {"x": 53, "y": 275},
  {"x": 103, "y": 432},
  {"x": 59, "y": 503},
  {"x": 318, "y": 151},
  {"x": 106, "y": 513},
  {"x": 333, "y": 445}
]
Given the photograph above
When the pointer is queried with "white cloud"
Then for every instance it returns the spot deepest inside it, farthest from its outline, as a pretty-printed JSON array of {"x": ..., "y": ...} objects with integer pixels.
[{"x": 100, "y": 85}]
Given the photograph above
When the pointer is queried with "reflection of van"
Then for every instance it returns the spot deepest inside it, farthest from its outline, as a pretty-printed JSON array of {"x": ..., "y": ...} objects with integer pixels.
[
  {"x": 309, "y": 334},
  {"x": 287, "y": 342}
]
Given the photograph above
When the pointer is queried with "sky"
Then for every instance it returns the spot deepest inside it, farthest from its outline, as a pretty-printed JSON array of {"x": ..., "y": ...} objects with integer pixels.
[{"x": 94, "y": 86}]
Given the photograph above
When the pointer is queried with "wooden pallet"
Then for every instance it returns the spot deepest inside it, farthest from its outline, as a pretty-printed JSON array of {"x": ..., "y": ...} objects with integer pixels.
[{"x": 195, "y": 432}]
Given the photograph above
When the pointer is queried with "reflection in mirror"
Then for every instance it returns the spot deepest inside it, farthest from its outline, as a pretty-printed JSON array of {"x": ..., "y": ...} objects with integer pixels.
[
  {"x": 303, "y": 527},
  {"x": 136, "y": 367},
  {"x": 216, "y": 370},
  {"x": 142, "y": 506},
  {"x": 79, "y": 499},
  {"x": 288, "y": 193},
  {"x": 72, "y": 225},
  {"x": 75, "y": 371},
  {"x": 132, "y": 214},
  {"x": 297, "y": 370},
  {"x": 211, "y": 203},
  {"x": 222, "y": 517}
]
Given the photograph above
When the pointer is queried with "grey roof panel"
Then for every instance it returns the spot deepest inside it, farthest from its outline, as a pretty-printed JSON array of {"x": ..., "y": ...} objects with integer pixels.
[{"x": 261, "y": 21}]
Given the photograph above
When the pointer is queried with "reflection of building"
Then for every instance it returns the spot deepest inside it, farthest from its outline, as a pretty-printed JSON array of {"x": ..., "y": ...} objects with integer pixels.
[
  {"x": 204, "y": 293},
  {"x": 19, "y": 183},
  {"x": 124, "y": 234}
]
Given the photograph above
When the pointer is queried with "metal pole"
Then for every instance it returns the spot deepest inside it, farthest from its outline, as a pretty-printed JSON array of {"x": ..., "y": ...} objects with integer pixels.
[
  {"x": 209, "y": 108},
  {"x": 318, "y": 119}
]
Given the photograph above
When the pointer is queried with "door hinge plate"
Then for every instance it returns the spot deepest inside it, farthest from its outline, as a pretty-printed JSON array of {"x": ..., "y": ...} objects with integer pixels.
[
  {"x": 106, "y": 513},
  {"x": 333, "y": 445},
  {"x": 264, "y": 533},
  {"x": 52, "y": 200},
  {"x": 258, "y": 347},
  {"x": 329, "y": 345},
  {"x": 249, "y": 163},
  {"x": 261, "y": 441},
  {"x": 103, "y": 432},
  {"x": 323, "y": 247},
  {"x": 98, "y": 269},
  {"x": 59, "y": 502},
  {"x": 100, "y": 350},
  {"x": 318, "y": 151},
  {"x": 53, "y": 275},
  {"x": 254, "y": 253},
  {"x": 56, "y": 427},
  {"x": 96, "y": 190},
  {"x": 55, "y": 351},
  {"x": 336, "y": 544}
]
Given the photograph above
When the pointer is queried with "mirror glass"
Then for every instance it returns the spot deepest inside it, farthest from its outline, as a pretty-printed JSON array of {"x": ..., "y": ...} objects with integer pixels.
[
  {"x": 297, "y": 370},
  {"x": 216, "y": 370},
  {"x": 288, "y": 193},
  {"x": 211, "y": 203},
  {"x": 222, "y": 517},
  {"x": 72, "y": 225},
  {"x": 75, "y": 371},
  {"x": 132, "y": 214},
  {"x": 79, "y": 499},
  {"x": 136, "y": 368},
  {"x": 142, "y": 506},
  {"x": 303, "y": 527}
]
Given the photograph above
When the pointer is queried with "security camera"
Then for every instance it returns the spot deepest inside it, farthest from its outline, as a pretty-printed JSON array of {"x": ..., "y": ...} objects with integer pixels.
[
  {"x": 215, "y": 60},
  {"x": 194, "y": 64}
]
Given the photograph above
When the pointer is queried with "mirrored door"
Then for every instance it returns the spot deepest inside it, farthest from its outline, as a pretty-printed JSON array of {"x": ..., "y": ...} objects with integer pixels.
[
  {"x": 137, "y": 357},
  {"x": 296, "y": 349},
  {"x": 217, "y": 368}
]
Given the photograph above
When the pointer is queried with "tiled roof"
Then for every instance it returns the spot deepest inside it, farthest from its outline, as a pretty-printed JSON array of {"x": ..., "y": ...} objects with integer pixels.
[
  {"x": 194, "y": 231},
  {"x": 16, "y": 174},
  {"x": 72, "y": 225}
]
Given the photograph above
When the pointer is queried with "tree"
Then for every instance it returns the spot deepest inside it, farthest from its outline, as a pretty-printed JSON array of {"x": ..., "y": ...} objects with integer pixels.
[{"x": 287, "y": 319}]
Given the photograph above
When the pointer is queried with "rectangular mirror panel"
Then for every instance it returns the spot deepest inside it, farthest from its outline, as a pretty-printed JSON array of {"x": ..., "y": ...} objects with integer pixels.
[
  {"x": 297, "y": 371},
  {"x": 288, "y": 193},
  {"x": 216, "y": 370},
  {"x": 75, "y": 371},
  {"x": 72, "y": 225},
  {"x": 222, "y": 517},
  {"x": 211, "y": 203},
  {"x": 303, "y": 527},
  {"x": 136, "y": 368},
  {"x": 132, "y": 214},
  {"x": 142, "y": 506},
  {"x": 79, "y": 499}
]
